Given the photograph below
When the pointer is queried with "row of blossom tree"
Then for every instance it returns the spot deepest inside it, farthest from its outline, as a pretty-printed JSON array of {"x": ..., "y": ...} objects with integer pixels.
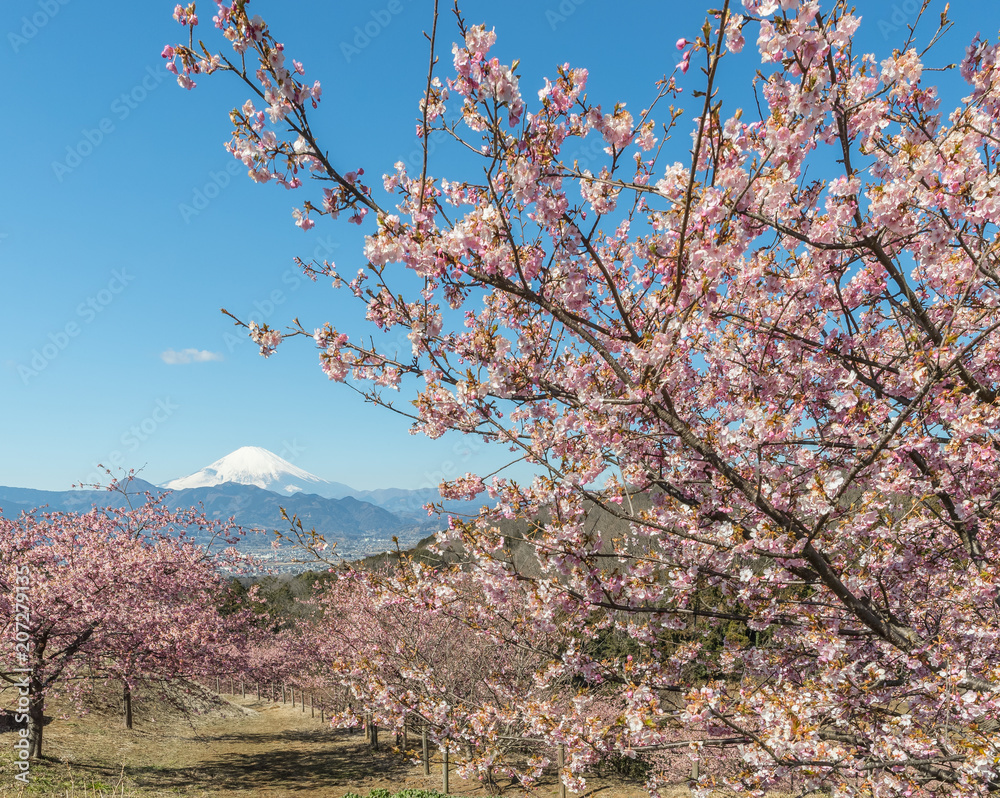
[
  {"x": 123, "y": 595},
  {"x": 119, "y": 594},
  {"x": 471, "y": 674}
]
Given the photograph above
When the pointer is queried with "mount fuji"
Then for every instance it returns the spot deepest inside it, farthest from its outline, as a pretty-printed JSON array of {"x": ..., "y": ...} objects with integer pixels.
[{"x": 252, "y": 465}]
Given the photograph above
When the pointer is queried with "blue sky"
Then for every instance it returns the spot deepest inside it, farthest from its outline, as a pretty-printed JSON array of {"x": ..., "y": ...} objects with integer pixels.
[{"x": 125, "y": 226}]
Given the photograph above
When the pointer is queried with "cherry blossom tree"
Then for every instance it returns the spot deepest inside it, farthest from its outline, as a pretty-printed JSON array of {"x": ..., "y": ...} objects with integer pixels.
[
  {"x": 771, "y": 362},
  {"x": 115, "y": 593},
  {"x": 279, "y": 657},
  {"x": 454, "y": 668}
]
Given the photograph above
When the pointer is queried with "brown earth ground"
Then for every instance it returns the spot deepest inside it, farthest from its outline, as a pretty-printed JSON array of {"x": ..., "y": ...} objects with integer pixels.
[{"x": 232, "y": 746}]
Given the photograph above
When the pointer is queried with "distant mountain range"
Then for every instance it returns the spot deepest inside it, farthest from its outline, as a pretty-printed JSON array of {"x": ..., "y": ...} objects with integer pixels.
[
  {"x": 252, "y": 465},
  {"x": 253, "y": 485}
]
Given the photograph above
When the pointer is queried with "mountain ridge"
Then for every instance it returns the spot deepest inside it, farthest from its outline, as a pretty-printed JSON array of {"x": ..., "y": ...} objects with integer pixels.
[
  {"x": 356, "y": 526},
  {"x": 254, "y": 486},
  {"x": 254, "y": 465}
]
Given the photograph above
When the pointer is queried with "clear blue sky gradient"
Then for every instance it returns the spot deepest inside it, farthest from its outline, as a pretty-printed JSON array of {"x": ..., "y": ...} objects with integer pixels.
[{"x": 125, "y": 226}]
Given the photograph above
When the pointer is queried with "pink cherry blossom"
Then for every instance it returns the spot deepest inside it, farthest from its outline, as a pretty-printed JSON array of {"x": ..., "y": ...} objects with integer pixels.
[
  {"x": 121, "y": 595},
  {"x": 752, "y": 358}
]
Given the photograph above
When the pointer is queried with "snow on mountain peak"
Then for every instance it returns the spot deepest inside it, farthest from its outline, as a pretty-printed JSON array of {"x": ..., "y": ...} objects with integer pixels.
[{"x": 251, "y": 465}]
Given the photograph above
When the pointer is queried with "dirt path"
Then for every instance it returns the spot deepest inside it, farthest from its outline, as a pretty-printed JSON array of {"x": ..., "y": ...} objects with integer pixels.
[{"x": 275, "y": 752}]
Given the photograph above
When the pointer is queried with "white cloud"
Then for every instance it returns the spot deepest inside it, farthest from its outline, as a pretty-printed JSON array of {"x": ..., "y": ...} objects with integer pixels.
[{"x": 188, "y": 356}]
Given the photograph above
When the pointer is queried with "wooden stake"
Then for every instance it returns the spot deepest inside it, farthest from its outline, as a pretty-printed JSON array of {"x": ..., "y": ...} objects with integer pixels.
[
  {"x": 561, "y": 761},
  {"x": 444, "y": 771},
  {"x": 426, "y": 751}
]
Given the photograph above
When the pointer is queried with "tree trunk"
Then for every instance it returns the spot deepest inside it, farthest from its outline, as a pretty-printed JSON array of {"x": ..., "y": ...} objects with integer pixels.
[
  {"x": 36, "y": 705},
  {"x": 127, "y": 701}
]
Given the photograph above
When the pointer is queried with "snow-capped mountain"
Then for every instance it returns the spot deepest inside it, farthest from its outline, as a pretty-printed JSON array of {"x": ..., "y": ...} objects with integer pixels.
[{"x": 252, "y": 465}]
